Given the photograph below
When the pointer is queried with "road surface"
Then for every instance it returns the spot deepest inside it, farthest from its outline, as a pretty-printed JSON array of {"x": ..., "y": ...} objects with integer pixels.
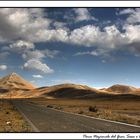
[{"x": 50, "y": 120}]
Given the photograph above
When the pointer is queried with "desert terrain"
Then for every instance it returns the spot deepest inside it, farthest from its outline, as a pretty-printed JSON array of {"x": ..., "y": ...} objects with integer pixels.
[
  {"x": 119, "y": 103},
  {"x": 11, "y": 120},
  {"x": 126, "y": 111}
]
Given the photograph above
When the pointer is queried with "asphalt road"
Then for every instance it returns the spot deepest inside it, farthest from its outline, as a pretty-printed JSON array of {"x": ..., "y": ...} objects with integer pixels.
[{"x": 50, "y": 120}]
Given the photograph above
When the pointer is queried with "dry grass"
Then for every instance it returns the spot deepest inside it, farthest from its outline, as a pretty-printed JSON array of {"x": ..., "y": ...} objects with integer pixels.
[
  {"x": 11, "y": 120},
  {"x": 126, "y": 111}
]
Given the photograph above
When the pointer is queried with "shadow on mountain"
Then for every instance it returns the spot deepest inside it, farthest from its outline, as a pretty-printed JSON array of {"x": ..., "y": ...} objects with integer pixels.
[
  {"x": 2, "y": 90},
  {"x": 111, "y": 97},
  {"x": 73, "y": 93},
  {"x": 42, "y": 87},
  {"x": 69, "y": 93}
]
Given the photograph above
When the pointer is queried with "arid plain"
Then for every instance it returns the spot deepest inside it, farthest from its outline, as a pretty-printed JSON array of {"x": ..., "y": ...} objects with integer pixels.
[{"x": 118, "y": 103}]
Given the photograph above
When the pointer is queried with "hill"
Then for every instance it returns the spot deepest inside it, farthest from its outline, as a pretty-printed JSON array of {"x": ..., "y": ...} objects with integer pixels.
[
  {"x": 68, "y": 91},
  {"x": 121, "y": 89},
  {"x": 14, "y": 86},
  {"x": 14, "y": 81}
]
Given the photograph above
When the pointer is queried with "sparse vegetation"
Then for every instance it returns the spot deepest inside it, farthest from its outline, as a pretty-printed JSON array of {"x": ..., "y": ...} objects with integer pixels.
[
  {"x": 58, "y": 107},
  {"x": 126, "y": 111},
  {"x": 93, "y": 108},
  {"x": 7, "y": 112},
  {"x": 80, "y": 112},
  {"x": 49, "y": 106},
  {"x": 11, "y": 120}
]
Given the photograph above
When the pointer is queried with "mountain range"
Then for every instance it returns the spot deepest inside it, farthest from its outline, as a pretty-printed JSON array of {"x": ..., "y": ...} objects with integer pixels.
[{"x": 14, "y": 86}]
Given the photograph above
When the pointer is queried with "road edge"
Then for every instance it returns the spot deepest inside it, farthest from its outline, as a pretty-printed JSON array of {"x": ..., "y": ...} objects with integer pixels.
[
  {"x": 132, "y": 125},
  {"x": 91, "y": 117},
  {"x": 35, "y": 129}
]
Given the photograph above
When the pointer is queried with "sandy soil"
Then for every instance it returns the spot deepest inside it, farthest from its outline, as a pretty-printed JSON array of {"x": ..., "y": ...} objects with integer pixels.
[{"x": 11, "y": 120}]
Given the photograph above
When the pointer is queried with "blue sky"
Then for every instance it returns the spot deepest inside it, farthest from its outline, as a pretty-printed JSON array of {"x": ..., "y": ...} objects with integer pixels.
[{"x": 98, "y": 47}]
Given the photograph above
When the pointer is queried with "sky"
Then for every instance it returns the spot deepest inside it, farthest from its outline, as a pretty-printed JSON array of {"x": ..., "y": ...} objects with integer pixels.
[{"x": 98, "y": 47}]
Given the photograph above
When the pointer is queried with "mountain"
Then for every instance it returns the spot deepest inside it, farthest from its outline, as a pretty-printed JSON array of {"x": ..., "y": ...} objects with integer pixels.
[
  {"x": 60, "y": 91},
  {"x": 122, "y": 89},
  {"x": 74, "y": 91},
  {"x": 14, "y": 86},
  {"x": 68, "y": 91},
  {"x": 14, "y": 81}
]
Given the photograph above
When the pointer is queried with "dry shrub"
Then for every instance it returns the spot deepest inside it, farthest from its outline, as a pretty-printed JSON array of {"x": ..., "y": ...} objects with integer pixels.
[
  {"x": 80, "y": 112},
  {"x": 59, "y": 108},
  {"x": 49, "y": 106},
  {"x": 93, "y": 108}
]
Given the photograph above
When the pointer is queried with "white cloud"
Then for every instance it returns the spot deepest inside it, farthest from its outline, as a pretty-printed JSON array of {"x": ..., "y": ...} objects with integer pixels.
[
  {"x": 37, "y": 76},
  {"x": 108, "y": 40},
  {"x": 86, "y": 35},
  {"x": 34, "y": 60},
  {"x": 92, "y": 36},
  {"x": 94, "y": 53},
  {"x": 103, "y": 42},
  {"x": 39, "y": 54},
  {"x": 35, "y": 54},
  {"x": 50, "y": 53},
  {"x": 133, "y": 34},
  {"x": 21, "y": 46},
  {"x": 83, "y": 14},
  {"x": 126, "y": 11},
  {"x": 133, "y": 15},
  {"x": 58, "y": 24},
  {"x": 21, "y": 23},
  {"x": 50, "y": 35},
  {"x": 3, "y": 67},
  {"x": 37, "y": 65},
  {"x": 23, "y": 27},
  {"x": 29, "y": 24}
]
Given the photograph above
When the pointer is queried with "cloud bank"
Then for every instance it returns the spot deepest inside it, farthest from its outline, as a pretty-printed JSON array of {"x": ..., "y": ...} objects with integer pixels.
[{"x": 23, "y": 28}]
